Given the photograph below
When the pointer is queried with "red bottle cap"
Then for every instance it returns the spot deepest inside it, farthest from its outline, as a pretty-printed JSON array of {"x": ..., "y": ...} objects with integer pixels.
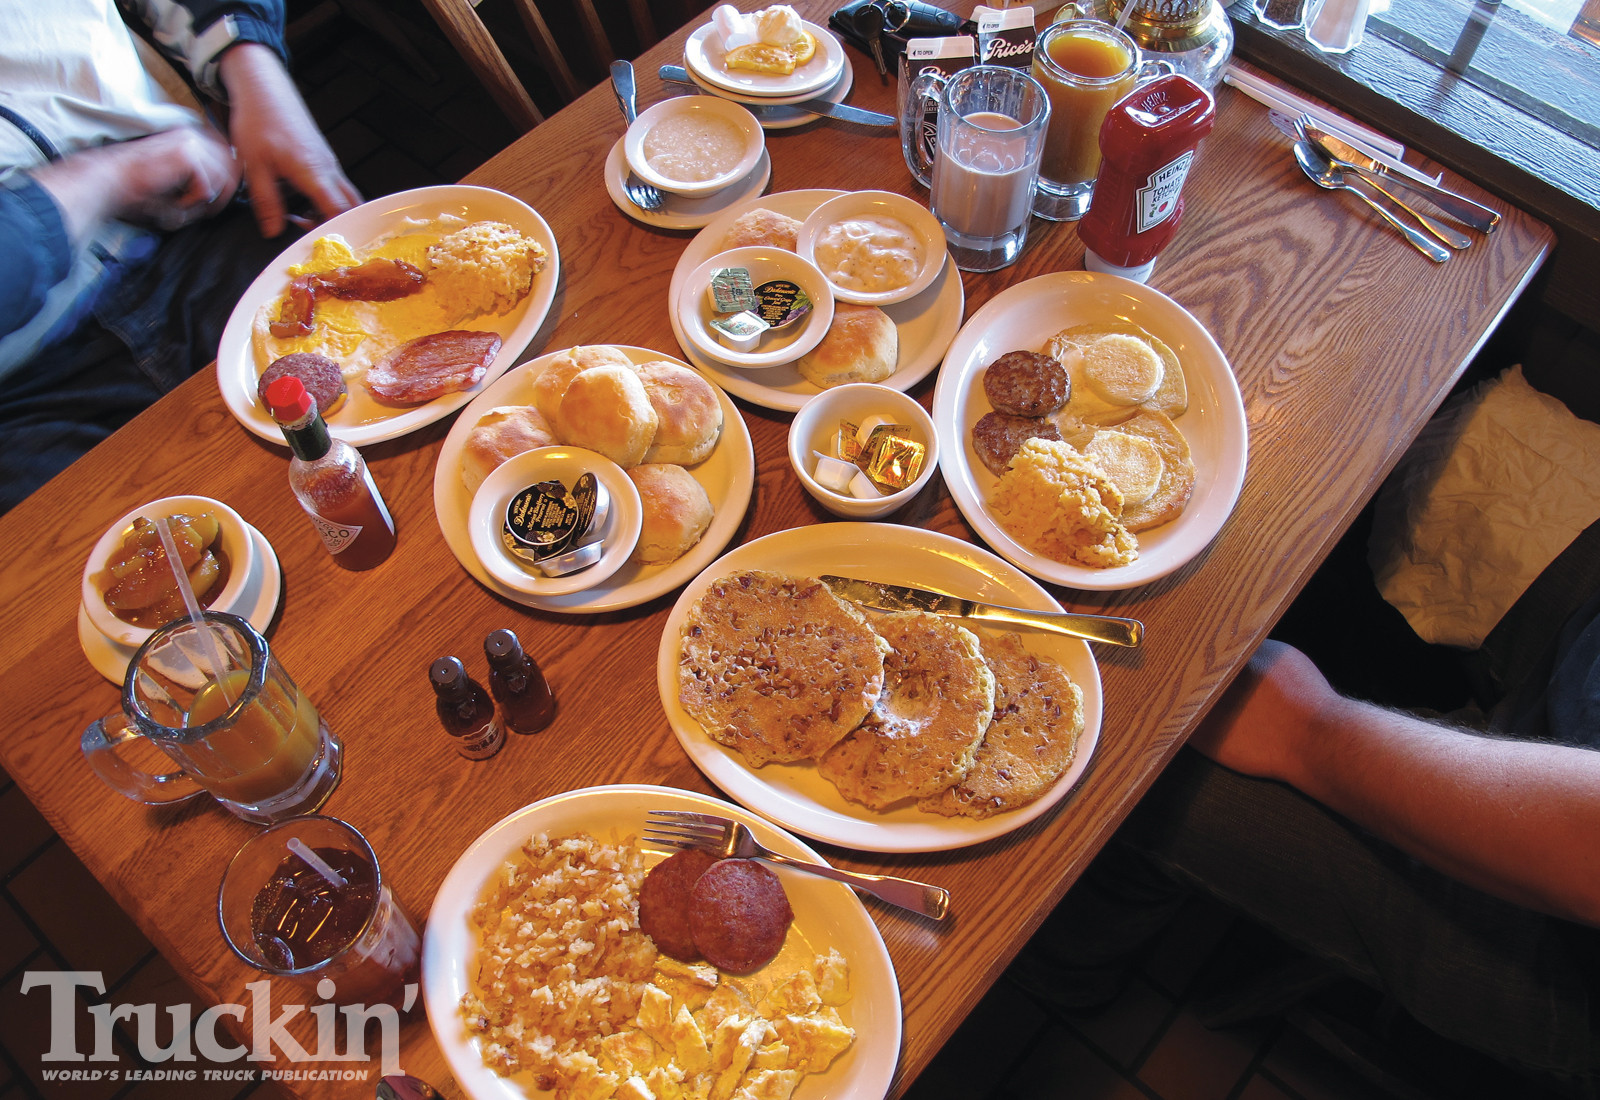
[{"x": 287, "y": 399}]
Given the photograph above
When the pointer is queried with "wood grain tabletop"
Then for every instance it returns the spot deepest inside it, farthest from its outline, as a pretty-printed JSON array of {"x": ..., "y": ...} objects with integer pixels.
[{"x": 1342, "y": 338}]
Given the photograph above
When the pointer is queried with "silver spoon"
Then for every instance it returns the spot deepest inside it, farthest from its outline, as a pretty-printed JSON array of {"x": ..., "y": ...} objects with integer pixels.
[
  {"x": 642, "y": 194},
  {"x": 1326, "y": 175},
  {"x": 1452, "y": 237}
]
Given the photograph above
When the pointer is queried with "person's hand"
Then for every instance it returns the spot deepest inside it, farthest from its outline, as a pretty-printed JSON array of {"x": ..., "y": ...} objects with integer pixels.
[
  {"x": 1259, "y": 724},
  {"x": 166, "y": 180},
  {"x": 278, "y": 141}
]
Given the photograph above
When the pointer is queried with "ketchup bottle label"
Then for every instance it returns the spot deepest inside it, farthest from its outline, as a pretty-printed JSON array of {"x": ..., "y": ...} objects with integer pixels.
[{"x": 1158, "y": 198}]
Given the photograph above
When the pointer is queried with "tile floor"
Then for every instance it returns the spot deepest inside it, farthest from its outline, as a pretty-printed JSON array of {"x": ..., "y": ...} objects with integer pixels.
[{"x": 394, "y": 131}]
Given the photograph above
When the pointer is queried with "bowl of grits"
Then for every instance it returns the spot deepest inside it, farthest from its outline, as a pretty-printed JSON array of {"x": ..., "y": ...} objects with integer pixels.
[
  {"x": 694, "y": 145},
  {"x": 875, "y": 248}
]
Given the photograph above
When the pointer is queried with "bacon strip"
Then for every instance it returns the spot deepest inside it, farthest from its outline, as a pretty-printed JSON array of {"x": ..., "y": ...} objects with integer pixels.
[{"x": 377, "y": 280}]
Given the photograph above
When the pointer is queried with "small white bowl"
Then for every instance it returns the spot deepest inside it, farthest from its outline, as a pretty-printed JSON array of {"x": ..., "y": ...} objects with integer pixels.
[
  {"x": 882, "y": 204},
  {"x": 686, "y": 108},
  {"x": 817, "y": 423},
  {"x": 236, "y": 545},
  {"x": 564, "y": 464},
  {"x": 765, "y": 263}
]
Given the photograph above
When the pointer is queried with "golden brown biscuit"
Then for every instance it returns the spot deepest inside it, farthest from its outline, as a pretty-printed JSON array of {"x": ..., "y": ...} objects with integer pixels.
[
  {"x": 924, "y": 730},
  {"x": 777, "y": 667},
  {"x": 606, "y": 410},
  {"x": 500, "y": 434},
  {"x": 862, "y": 345},
  {"x": 1038, "y": 715},
  {"x": 550, "y": 385},
  {"x": 677, "y": 512},
  {"x": 688, "y": 413},
  {"x": 762, "y": 226}
]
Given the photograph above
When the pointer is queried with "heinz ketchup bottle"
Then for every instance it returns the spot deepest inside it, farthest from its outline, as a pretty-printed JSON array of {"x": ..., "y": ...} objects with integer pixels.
[
  {"x": 1147, "y": 144},
  {"x": 331, "y": 481}
]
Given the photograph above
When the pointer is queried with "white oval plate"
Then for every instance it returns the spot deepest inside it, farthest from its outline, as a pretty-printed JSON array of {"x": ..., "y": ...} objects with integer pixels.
[
  {"x": 827, "y": 914},
  {"x": 238, "y": 368},
  {"x": 679, "y": 211},
  {"x": 1025, "y": 316},
  {"x": 728, "y": 477},
  {"x": 794, "y": 795},
  {"x": 703, "y": 56},
  {"x": 926, "y": 323}
]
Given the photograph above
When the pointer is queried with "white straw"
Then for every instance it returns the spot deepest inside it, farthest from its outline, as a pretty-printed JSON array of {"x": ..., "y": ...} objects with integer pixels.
[
  {"x": 316, "y": 862},
  {"x": 208, "y": 643},
  {"x": 1127, "y": 10}
]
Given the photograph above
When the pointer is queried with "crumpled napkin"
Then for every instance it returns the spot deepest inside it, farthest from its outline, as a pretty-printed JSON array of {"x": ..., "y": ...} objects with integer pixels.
[{"x": 1494, "y": 488}]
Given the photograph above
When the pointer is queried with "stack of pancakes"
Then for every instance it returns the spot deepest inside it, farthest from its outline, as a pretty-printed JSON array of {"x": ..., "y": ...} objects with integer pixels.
[{"x": 893, "y": 709}]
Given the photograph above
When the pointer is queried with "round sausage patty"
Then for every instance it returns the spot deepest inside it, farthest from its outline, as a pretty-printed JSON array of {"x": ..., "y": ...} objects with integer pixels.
[
  {"x": 739, "y": 915},
  {"x": 321, "y": 377},
  {"x": 1026, "y": 383},
  {"x": 664, "y": 902},
  {"x": 997, "y": 437}
]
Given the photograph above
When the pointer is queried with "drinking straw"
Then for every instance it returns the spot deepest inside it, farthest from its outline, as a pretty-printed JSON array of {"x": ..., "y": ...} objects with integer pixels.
[
  {"x": 316, "y": 862},
  {"x": 208, "y": 643},
  {"x": 1127, "y": 10}
]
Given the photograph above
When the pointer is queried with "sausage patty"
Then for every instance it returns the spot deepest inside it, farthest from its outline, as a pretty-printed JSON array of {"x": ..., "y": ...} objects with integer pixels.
[
  {"x": 664, "y": 902},
  {"x": 739, "y": 915},
  {"x": 1026, "y": 383},
  {"x": 997, "y": 437},
  {"x": 321, "y": 377}
]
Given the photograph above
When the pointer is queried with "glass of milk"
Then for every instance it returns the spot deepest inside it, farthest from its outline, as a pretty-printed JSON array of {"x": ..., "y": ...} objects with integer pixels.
[{"x": 992, "y": 122}]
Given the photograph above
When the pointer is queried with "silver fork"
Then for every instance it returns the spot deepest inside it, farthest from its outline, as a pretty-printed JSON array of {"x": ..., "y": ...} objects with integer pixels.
[
  {"x": 734, "y": 840},
  {"x": 644, "y": 196}
]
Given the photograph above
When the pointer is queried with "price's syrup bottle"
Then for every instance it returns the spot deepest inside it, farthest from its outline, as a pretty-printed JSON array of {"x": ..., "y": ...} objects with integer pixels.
[
  {"x": 517, "y": 684},
  {"x": 465, "y": 710},
  {"x": 331, "y": 480},
  {"x": 1147, "y": 144}
]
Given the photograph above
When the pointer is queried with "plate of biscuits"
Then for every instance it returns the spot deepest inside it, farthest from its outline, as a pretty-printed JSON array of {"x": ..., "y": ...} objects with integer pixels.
[
  {"x": 1091, "y": 430},
  {"x": 895, "y": 346},
  {"x": 880, "y": 732},
  {"x": 394, "y": 314},
  {"x": 678, "y": 437}
]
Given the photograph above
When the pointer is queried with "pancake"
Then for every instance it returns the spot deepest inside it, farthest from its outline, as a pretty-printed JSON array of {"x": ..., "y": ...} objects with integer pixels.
[
  {"x": 1171, "y": 396},
  {"x": 1172, "y": 492},
  {"x": 1038, "y": 716},
  {"x": 923, "y": 732},
  {"x": 777, "y": 667}
]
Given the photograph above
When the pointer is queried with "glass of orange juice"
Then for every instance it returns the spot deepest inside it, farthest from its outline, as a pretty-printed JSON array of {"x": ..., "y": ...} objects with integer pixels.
[
  {"x": 1086, "y": 66},
  {"x": 214, "y": 700}
]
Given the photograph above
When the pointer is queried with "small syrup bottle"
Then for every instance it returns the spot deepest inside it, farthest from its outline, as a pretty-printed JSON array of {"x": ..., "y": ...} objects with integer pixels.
[
  {"x": 331, "y": 480},
  {"x": 465, "y": 710},
  {"x": 518, "y": 685}
]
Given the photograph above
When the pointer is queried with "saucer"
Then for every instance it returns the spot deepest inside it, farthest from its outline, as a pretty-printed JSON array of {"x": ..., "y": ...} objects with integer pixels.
[
  {"x": 779, "y": 113},
  {"x": 110, "y": 658},
  {"x": 678, "y": 211}
]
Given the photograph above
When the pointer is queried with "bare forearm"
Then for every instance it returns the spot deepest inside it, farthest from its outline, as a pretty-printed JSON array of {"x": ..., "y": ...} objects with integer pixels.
[{"x": 1516, "y": 819}]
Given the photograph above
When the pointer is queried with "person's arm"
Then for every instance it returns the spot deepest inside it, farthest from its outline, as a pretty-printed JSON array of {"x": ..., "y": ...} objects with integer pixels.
[{"x": 1515, "y": 819}]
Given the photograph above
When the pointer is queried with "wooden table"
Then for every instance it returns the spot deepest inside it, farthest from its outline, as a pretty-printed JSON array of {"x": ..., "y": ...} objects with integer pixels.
[{"x": 1344, "y": 341}]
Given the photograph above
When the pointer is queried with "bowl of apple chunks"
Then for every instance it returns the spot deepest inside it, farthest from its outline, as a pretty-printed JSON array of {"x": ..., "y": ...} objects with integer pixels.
[{"x": 129, "y": 588}]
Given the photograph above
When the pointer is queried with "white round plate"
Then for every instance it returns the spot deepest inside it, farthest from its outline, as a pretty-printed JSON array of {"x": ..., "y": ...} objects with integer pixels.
[
  {"x": 1024, "y": 317},
  {"x": 827, "y": 914},
  {"x": 926, "y": 323},
  {"x": 794, "y": 795},
  {"x": 110, "y": 657},
  {"x": 728, "y": 477},
  {"x": 238, "y": 368},
  {"x": 703, "y": 57},
  {"x": 679, "y": 211},
  {"x": 776, "y": 117}
]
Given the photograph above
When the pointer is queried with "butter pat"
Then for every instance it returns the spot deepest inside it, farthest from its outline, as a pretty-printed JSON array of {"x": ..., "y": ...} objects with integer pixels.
[
  {"x": 833, "y": 473},
  {"x": 861, "y": 486}
]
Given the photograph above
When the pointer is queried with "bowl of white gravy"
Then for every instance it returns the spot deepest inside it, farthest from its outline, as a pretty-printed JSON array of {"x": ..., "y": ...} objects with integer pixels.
[
  {"x": 694, "y": 145},
  {"x": 875, "y": 248}
]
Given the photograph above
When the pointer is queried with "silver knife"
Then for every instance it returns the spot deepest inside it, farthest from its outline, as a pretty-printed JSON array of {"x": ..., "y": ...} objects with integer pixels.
[
  {"x": 677, "y": 74},
  {"x": 898, "y": 597}
]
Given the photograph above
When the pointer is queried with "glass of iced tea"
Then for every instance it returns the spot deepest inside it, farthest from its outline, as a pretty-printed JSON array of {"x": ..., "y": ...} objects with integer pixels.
[
  {"x": 216, "y": 702},
  {"x": 1086, "y": 66},
  {"x": 305, "y": 900}
]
